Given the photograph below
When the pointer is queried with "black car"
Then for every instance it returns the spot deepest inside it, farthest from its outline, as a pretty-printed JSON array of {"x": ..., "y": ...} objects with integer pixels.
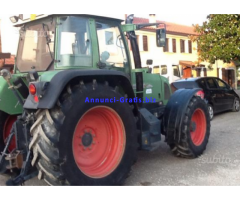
[{"x": 218, "y": 94}]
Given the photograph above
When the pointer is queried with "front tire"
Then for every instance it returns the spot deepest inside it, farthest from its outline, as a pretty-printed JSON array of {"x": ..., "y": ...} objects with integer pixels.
[
  {"x": 211, "y": 112},
  {"x": 195, "y": 130},
  {"x": 236, "y": 106},
  {"x": 79, "y": 143}
]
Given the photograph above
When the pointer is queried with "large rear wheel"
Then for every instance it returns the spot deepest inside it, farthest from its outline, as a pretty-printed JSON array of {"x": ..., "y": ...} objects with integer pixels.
[
  {"x": 81, "y": 143},
  {"x": 195, "y": 130}
]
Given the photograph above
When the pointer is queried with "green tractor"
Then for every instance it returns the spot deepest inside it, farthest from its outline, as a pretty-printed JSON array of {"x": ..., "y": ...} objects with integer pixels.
[{"x": 76, "y": 109}]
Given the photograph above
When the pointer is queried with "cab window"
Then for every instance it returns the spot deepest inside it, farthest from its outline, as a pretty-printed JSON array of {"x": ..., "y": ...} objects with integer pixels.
[
  {"x": 176, "y": 71},
  {"x": 75, "y": 42},
  {"x": 111, "y": 47},
  {"x": 156, "y": 70},
  {"x": 164, "y": 70}
]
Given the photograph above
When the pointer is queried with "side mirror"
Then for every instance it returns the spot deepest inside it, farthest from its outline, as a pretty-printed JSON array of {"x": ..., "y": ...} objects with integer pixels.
[{"x": 161, "y": 37}]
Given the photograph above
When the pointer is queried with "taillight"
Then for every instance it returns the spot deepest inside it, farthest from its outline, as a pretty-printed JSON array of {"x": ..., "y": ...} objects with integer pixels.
[
  {"x": 32, "y": 89},
  {"x": 200, "y": 94},
  {"x": 36, "y": 98}
]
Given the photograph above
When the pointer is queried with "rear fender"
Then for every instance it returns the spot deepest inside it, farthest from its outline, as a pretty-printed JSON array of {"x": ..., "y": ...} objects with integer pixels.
[
  {"x": 174, "y": 113},
  {"x": 54, "y": 88}
]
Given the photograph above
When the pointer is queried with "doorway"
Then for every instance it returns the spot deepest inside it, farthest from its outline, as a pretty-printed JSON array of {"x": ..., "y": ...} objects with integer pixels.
[
  {"x": 228, "y": 75},
  {"x": 187, "y": 72}
]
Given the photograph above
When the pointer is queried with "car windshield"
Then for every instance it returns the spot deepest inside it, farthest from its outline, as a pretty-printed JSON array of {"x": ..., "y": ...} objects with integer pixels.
[{"x": 36, "y": 47}]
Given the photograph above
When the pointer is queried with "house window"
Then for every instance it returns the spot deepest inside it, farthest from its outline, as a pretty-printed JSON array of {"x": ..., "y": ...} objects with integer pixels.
[
  {"x": 164, "y": 70},
  {"x": 174, "y": 45},
  {"x": 145, "y": 43},
  {"x": 166, "y": 48},
  {"x": 182, "y": 46},
  {"x": 109, "y": 37},
  {"x": 189, "y": 46}
]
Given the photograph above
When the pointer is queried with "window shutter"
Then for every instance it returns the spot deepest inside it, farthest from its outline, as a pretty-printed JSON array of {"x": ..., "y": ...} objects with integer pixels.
[
  {"x": 165, "y": 49},
  {"x": 182, "y": 46},
  {"x": 205, "y": 71},
  {"x": 198, "y": 72},
  {"x": 174, "y": 45},
  {"x": 189, "y": 46},
  {"x": 224, "y": 77},
  {"x": 145, "y": 43}
]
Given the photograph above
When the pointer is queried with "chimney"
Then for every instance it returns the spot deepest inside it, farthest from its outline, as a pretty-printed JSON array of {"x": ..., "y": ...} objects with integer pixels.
[{"x": 152, "y": 18}]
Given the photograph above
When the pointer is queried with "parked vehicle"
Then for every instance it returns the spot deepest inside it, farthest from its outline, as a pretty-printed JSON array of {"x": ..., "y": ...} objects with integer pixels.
[
  {"x": 64, "y": 139},
  {"x": 218, "y": 94},
  {"x": 168, "y": 70}
]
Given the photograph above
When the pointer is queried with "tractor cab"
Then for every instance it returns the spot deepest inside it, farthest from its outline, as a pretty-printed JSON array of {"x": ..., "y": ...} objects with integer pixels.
[{"x": 68, "y": 42}]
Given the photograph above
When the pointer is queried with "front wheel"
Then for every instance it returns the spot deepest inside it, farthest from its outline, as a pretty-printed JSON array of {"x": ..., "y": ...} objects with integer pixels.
[
  {"x": 195, "y": 130},
  {"x": 211, "y": 112},
  {"x": 236, "y": 105}
]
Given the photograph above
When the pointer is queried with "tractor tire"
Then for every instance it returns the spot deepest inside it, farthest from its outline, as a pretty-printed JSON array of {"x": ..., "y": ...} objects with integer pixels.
[
  {"x": 195, "y": 130},
  {"x": 6, "y": 123},
  {"x": 211, "y": 112},
  {"x": 236, "y": 106},
  {"x": 79, "y": 143}
]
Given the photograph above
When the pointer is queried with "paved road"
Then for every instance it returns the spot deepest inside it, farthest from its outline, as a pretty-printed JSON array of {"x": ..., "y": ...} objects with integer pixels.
[{"x": 220, "y": 164}]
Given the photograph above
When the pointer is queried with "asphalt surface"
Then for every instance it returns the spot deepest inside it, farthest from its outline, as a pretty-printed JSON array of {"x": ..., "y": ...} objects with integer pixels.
[{"x": 219, "y": 165}]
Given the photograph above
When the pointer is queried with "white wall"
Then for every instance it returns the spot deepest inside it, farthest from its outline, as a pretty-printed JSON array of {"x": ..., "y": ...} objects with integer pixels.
[
  {"x": 159, "y": 57},
  {"x": 10, "y": 35}
]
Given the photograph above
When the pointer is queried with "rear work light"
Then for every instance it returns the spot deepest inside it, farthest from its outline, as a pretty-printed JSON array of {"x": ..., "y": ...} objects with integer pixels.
[
  {"x": 200, "y": 94},
  {"x": 32, "y": 89}
]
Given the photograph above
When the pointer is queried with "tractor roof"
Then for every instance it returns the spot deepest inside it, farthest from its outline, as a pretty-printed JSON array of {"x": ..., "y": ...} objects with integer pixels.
[{"x": 41, "y": 16}]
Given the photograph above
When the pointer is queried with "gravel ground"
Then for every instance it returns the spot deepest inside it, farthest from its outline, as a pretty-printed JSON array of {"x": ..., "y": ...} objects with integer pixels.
[{"x": 219, "y": 165}]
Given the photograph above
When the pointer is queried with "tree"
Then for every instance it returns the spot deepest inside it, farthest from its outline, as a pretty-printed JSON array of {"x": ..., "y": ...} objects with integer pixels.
[{"x": 219, "y": 38}]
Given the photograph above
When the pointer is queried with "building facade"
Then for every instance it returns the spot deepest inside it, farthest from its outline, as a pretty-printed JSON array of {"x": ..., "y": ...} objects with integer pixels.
[{"x": 180, "y": 50}]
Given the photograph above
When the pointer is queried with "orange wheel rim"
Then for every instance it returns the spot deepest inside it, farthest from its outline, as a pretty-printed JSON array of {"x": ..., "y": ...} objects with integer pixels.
[
  {"x": 99, "y": 142},
  {"x": 7, "y": 130},
  {"x": 198, "y": 127}
]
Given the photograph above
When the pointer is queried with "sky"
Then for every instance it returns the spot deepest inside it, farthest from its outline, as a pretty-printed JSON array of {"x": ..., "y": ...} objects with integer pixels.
[{"x": 10, "y": 34}]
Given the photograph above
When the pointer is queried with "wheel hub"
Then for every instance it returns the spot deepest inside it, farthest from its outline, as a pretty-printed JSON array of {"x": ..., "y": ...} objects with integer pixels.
[
  {"x": 237, "y": 105},
  {"x": 198, "y": 127},
  {"x": 87, "y": 139},
  {"x": 99, "y": 142}
]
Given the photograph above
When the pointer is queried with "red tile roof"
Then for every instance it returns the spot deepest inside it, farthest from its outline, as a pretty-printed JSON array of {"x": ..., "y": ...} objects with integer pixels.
[
  {"x": 8, "y": 61},
  {"x": 172, "y": 28}
]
